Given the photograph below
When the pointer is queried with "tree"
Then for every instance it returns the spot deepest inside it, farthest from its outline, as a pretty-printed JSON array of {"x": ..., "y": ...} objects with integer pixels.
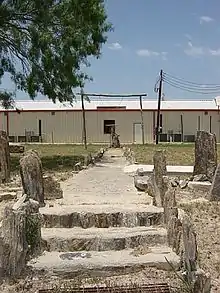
[{"x": 44, "y": 44}]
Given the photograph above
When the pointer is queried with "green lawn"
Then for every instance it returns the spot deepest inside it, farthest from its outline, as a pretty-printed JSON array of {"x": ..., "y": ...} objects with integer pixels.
[
  {"x": 177, "y": 154},
  {"x": 57, "y": 157}
]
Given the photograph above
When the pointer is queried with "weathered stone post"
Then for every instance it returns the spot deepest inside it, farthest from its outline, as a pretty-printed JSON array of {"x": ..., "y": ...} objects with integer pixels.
[
  {"x": 32, "y": 176},
  {"x": 160, "y": 170},
  {"x": 215, "y": 188},
  {"x": 205, "y": 154},
  {"x": 4, "y": 157},
  {"x": 20, "y": 236}
]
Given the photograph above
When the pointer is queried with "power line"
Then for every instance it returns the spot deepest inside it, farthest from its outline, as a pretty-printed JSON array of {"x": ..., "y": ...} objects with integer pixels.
[
  {"x": 184, "y": 81},
  {"x": 193, "y": 87},
  {"x": 190, "y": 90},
  {"x": 190, "y": 86}
]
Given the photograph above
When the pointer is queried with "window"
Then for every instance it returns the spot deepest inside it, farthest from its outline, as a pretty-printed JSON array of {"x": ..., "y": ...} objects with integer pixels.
[
  {"x": 109, "y": 125},
  {"x": 52, "y": 113}
]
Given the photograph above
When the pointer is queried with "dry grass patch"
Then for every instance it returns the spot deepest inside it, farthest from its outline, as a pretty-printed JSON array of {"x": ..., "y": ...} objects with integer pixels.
[
  {"x": 177, "y": 154},
  {"x": 57, "y": 156}
]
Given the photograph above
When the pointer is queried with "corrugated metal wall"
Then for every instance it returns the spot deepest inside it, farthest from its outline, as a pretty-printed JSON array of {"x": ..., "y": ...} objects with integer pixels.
[{"x": 66, "y": 126}]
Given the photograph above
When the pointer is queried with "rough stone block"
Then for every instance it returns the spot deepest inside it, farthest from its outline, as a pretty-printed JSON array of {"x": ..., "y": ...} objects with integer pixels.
[
  {"x": 205, "y": 154},
  {"x": 141, "y": 182},
  {"x": 32, "y": 176},
  {"x": 52, "y": 189},
  {"x": 215, "y": 188}
]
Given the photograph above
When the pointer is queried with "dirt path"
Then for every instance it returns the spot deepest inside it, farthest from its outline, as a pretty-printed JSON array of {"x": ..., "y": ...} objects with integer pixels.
[{"x": 105, "y": 183}]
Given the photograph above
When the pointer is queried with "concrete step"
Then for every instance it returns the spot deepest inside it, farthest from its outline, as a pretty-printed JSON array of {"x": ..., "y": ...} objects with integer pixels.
[
  {"x": 101, "y": 239},
  {"x": 104, "y": 216},
  {"x": 104, "y": 263}
]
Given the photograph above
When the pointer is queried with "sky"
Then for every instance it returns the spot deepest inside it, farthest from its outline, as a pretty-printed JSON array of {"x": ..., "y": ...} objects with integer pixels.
[{"x": 181, "y": 37}]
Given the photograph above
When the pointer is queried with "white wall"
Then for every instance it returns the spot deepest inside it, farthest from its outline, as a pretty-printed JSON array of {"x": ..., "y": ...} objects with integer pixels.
[{"x": 66, "y": 126}]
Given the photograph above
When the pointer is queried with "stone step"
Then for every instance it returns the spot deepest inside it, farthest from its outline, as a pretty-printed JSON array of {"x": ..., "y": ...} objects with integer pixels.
[
  {"x": 104, "y": 263},
  {"x": 103, "y": 216},
  {"x": 101, "y": 239}
]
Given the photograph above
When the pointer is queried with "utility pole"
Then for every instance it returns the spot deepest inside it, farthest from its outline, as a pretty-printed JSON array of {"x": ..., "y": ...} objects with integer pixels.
[
  {"x": 159, "y": 104},
  {"x": 142, "y": 120},
  {"x": 84, "y": 119}
]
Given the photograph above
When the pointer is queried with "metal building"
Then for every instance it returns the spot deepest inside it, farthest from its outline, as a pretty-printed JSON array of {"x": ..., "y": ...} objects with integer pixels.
[{"x": 33, "y": 121}]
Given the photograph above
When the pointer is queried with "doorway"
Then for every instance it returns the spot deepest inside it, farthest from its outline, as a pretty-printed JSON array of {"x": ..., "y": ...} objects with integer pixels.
[{"x": 137, "y": 133}]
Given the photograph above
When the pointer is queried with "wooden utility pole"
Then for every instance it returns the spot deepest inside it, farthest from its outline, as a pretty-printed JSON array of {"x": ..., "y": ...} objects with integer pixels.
[
  {"x": 84, "y": 119},
  {"x": 142, "y": 120},
  {"x": 159, "y": 104}
]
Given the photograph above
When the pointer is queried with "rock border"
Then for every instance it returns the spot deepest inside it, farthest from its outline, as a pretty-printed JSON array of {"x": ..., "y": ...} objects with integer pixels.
[
  {"x": 129, "y": 155},
  {"x": 90, "y": 160}
]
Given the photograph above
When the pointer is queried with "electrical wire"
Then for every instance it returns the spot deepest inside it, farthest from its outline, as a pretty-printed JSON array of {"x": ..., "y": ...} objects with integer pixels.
[
  {"x": 190, "y": 90},
  {"x": 190, "y": 86},
  {"x": 183, "y": 81}
]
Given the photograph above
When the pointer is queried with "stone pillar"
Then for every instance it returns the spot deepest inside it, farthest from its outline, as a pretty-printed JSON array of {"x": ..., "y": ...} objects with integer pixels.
[
  {"x": 4, "y": 157},
  {"x": 205, "y": 154},
  {"x": 190, "y": 249},
  {"x": 160, "y": 163},
  {"x": 32, "y": 176},
  {"x": 160, "y": 170},
  {"x": 20, "y": 237},
  {"x": 215, "y": 188}
]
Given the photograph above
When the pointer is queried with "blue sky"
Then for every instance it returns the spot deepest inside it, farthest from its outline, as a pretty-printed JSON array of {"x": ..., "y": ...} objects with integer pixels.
[{"x": 182, "y": 37}]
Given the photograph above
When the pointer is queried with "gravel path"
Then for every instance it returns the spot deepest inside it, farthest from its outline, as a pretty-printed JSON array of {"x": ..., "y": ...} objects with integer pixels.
[{"x": 105, "y": 183}]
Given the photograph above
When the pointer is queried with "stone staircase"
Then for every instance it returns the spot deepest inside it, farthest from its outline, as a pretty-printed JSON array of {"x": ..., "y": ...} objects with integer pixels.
[{"x": 103, "y": 239}]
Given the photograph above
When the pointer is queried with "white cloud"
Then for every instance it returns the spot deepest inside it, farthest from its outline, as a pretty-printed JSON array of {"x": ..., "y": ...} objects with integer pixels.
[
  {"x": 115, "y": 46},
  {"x": 197, "y": 51},
  {"x": 188, "y": 36},
  {"x": 194, "y": 51},
  {"x": 205, "y": 19},
  {"x": 214, "y": 52},
  {"x": 149, "y": 53}
]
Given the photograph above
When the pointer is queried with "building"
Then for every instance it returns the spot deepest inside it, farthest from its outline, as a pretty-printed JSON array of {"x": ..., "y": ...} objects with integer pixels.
[{"x": 62, "y": 123}]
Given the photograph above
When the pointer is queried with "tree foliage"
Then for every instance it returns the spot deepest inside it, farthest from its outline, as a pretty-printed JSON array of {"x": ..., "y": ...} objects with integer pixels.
[{"x": 45, "y": 43}]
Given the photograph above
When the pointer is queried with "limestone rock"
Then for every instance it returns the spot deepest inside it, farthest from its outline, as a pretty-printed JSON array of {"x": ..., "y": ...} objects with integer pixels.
[
  {"x": 160, "y": 166},
  {"x": 202, "y": 282},
  {"x": 200, "y": 178},
  {"x": 215, "y": 188},
  {"x": 32, "y": 176},
  {"x": 20, "y": 236},
  {"x": 52, "y": 189},
  {"x": 159, "y": 181},
  {"x": 174, "y": 182},
  {"x": 4, "y": 158},
  {"x": 200, "y": 186},
  {"x": 169, "y": 204},
  {"x": 205, "y": 154},
  {"x": 183, "y": 184},
  {"x": 141, "y": 172},
  {"x": 190, "y": 247},
  {"x": 141, "y": 182}
]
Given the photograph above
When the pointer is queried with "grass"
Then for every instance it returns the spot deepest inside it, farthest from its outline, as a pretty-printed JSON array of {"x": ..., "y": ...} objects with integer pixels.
[
  {"x": 57, "y": 157},
  {"x": 177, "y": 154}
]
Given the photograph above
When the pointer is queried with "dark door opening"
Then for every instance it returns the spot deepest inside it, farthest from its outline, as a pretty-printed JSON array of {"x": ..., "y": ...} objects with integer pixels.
[{"x": 40, "y": 129}]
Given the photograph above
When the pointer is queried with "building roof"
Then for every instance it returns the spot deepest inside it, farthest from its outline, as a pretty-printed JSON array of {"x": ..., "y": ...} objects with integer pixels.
[{"x": 47, "y": 105}]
